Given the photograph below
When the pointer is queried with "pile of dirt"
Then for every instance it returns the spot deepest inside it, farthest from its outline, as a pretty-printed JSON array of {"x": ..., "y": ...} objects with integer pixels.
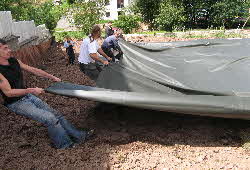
[{"x": 126, "y": 138}]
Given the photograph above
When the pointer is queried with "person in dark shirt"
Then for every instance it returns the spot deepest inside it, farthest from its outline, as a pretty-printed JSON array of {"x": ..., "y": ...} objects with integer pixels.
[
  {"x": 109, "y": 30},
  {"x": 23, "y": 101},
  {"x": 110, "y": 46},
  {"x": 69, "y": 45}
]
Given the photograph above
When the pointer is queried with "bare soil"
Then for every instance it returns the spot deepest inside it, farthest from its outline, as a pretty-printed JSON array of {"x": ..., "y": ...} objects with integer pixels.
[{"x": 126, "y": 138}]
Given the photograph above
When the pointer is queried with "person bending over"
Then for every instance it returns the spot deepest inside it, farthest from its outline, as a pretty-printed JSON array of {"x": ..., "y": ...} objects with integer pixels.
[
  {"x": 109, "y": 30},
  {"x": 24, "y": 101},
  {"x": 110, "y": 45},
  {"x": 89, "y": 54}
]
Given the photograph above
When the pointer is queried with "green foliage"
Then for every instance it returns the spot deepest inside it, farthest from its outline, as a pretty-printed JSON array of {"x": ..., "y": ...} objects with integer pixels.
[
  {"x": 161, "y": 14},
  {"x": 104, "y": 21},
  {"x": 87, "y": 13},
  {"x": 46, "y": 13},
  {"x": 147, "y": 8},
  {"x": 59, "y": 36},
  {"x": 127, "y": 22},
  {"x": 227, "y": 12},
  {"x": 170, "y": 16}
]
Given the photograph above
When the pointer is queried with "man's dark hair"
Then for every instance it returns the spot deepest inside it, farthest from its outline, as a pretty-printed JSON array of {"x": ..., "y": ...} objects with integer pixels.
[
  {"x": 2, "y": 41},
  {"x": 110, "y": 22}
]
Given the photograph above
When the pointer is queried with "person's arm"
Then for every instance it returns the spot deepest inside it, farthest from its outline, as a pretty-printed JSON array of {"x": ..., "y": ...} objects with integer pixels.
[
  {"x": 95, "y": 57},
  {"x": 9, "y": 92},
  {"x": 37, "y": 71},
  {"x": 66, "y": 45},
  {"x": 93, "y": 49},
  {"x": 100, "y": 51}
]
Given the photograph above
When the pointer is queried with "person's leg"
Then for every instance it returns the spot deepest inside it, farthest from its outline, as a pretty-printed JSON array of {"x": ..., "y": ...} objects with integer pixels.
[
  {"x": 69, "y": 58},
  {"x": 73, "y": 58},
  {"x": 93, "y": 74},
  {"x": 70, "y": 129},
  {"x": 57, "y": 133},
  {"x": 82, "y": 67}
]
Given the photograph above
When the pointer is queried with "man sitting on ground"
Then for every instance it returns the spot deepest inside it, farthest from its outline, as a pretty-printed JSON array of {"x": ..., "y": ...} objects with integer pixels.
[{"x": 23, "y": 101}]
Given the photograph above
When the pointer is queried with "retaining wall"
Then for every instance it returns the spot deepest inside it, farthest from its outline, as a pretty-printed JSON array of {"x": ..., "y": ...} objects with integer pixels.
[{"x": 25, "y": 31}]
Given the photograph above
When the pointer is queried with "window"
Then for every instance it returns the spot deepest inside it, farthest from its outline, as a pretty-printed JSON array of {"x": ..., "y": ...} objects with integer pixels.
[
  {"x": 107, "y": 14},
  {"x": 120, "y": 3},
  {"x": 107, "y": 2}
]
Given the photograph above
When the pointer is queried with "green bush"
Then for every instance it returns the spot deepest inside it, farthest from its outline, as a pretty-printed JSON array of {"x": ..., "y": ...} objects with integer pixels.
[
  {"x": 45, "y": 13},
  {"x": 148, "y": 9},
  {"x": 88, "y": 13},
  {"x": 170, "y": 17},
  {"x": 59, "y": 36},
  {"x": 127, "y": 22}
]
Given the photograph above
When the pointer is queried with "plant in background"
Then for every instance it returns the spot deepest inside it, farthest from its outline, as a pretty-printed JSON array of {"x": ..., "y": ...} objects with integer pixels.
[
  {"x": 171, "y": 16},
  {"x": 228, "y": 13},
  {"x": 128, "y": 22},
  {"x": 87, "y": 13},
  {"x": 43, "y": 13},
  {"x": 148, "y": 9},
  {"x": 46, "y": 13}
]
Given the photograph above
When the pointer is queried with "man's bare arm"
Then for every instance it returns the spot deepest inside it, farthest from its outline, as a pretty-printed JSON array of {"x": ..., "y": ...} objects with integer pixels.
[
  {"x": 9, "y": 92},
  {"x": 37, "y": 71},
  {"x": 100, "y": 51},
  {"x": 94, "y": 56}
]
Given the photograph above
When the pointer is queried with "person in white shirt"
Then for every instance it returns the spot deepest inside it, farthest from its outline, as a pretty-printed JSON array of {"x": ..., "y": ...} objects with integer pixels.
[{"x": 89, "y": 54}]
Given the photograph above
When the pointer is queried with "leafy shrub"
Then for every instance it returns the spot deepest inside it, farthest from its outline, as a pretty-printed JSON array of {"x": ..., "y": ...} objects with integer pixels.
[
  {"x": 59, "y": 36},
  {"x": 170, "y": 16},
  {"x": 87, "y": 13},
  {"x": 45, "y": 13},
  {"x": 127, "y": 22}
]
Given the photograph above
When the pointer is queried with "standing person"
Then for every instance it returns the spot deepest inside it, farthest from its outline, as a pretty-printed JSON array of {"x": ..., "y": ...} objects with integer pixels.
[
  {"x": 89, "y": 54},
  {"x": 23, "y": 101},
  {"x": 109, "y": 30},
  {"x": 110, "y": 44},
  {"x": 69, "y": 45}
]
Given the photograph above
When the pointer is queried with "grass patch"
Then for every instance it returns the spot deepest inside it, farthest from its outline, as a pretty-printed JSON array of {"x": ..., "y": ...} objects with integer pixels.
[
  {"x": 79, "y": 35},
  {"x": 245, "y": 136},
  {"x": 150, "y": 32}
]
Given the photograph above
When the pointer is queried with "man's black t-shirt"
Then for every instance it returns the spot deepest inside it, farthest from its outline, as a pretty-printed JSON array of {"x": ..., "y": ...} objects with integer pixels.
[{"x": 14, "y": 75}]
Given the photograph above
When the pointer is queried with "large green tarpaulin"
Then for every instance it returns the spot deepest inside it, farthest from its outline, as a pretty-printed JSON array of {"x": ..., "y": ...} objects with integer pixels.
[{"x": 201, "y": 77}]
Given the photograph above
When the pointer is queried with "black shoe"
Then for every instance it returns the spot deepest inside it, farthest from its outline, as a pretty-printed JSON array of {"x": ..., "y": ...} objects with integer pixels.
[{"x": 90, "y": 134}]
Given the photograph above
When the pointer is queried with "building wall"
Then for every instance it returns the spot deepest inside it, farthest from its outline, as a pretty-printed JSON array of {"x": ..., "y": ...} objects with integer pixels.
[{"x": 114, "y": 8}]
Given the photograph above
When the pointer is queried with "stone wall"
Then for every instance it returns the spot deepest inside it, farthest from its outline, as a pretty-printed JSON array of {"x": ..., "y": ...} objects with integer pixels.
[{"x": 26, "y": 32}]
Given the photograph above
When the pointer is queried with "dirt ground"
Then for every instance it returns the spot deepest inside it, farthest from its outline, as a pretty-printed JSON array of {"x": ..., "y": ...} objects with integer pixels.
[{"x": 126, "y": 138}]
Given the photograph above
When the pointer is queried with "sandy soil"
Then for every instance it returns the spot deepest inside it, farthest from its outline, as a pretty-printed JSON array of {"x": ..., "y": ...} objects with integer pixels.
[{"x": 126, "y": 138}]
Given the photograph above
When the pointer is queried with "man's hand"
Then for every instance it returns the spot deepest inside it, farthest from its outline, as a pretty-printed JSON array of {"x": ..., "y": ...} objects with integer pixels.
[
  {"x": 105, "y": 62},
  {"x": 109, "y": 58},
  {"x": 56, "y": 79},
  {"x": 36, "y": 91}
]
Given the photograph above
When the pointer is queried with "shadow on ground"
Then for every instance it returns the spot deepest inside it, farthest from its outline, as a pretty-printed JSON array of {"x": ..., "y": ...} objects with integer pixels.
[{"x": 126, "y": 125}]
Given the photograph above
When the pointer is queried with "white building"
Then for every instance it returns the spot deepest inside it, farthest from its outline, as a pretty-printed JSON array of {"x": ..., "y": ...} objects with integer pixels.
[{"x": 114, "y": 7}]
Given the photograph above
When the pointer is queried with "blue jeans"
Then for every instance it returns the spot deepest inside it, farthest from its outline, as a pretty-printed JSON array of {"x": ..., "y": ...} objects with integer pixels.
[{"x": 62, "y": 133}]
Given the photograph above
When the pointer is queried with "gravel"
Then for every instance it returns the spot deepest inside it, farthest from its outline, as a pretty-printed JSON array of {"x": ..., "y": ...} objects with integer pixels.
[{"x": 126, "y": 138}]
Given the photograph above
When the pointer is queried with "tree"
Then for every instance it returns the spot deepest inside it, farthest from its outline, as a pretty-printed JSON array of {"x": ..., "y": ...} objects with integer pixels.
[
  {"x": 45, "y": 13},
  {"x": 227, "y": 12},
  {"x": 128, "y": 22},
  {"x": 148, "y": 9},
  {"x": 171, "y": 15},
  {"x": 87, "y": 13}
]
